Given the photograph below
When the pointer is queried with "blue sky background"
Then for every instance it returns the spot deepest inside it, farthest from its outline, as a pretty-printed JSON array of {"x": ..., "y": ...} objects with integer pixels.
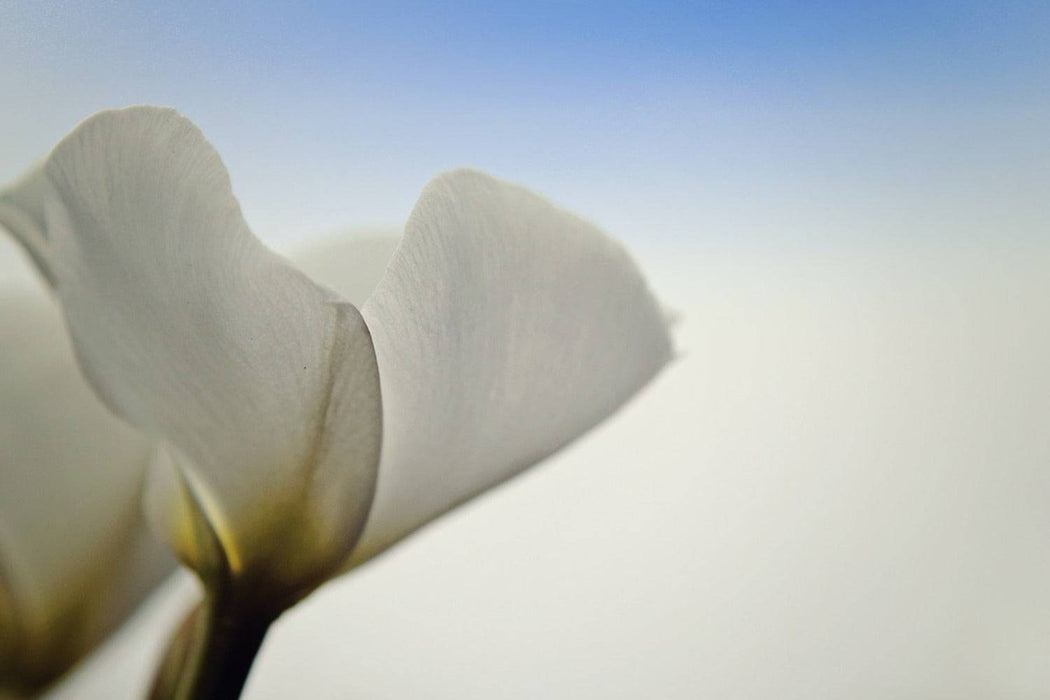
[{"x": 671, "y": 124}]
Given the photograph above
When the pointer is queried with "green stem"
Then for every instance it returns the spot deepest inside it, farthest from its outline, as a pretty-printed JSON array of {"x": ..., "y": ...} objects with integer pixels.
[{"x": 212, "y": 653}]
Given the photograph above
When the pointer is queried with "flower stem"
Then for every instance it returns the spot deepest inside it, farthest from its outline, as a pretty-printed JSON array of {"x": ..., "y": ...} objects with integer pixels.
[{"x": 212, "y": 653}]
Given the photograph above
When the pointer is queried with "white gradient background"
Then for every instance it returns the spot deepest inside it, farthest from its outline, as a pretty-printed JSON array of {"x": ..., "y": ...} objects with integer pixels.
[{"x": 841, "y": 489}]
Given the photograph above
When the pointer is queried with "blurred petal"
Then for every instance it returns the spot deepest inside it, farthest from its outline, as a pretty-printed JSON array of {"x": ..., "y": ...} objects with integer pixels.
[
  {"x": 504, "y": 328},
  {"x": 124, "y": 667},
  {"x": 352, "y": 264},
  {"x": 22, "y": 212},
  {"x": 190, "y": 328},
  {"x": 17, "y": 275},
  {"x": 75, "y": 555}
]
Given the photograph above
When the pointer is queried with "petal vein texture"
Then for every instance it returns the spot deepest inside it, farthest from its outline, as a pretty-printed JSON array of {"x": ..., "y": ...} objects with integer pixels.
[{"x": 504, "y": 328}]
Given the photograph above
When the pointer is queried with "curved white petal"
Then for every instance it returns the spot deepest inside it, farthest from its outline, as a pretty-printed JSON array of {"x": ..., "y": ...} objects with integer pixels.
[
  {"x": 504, "y": 328},
  {"x": 190, "y": 328},
  {"x": 16, "y": 273},
  {"x": 22, "y": 213},
  {"x": 75, "y": 555}
]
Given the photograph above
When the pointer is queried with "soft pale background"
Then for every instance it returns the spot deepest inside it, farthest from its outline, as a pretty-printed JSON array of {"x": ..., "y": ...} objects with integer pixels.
[{"x": 842, "y": 487}]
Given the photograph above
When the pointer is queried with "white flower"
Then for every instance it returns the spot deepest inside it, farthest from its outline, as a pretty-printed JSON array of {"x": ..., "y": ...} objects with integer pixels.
[
  {"x": 75, "y": 555},
  {"x": 306, "y": 436}
]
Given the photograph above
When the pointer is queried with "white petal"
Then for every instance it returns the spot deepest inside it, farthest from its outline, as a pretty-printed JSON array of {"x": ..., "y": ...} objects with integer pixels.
[
  {"x": 504, "y": 328},
  {"x": 189, "y": 327},
  {"x": 351, "y": 264},
  {"x": 75, "y": 555},
  {"x": 22, "y": 213},
  {"x": 16, "y": 272}
]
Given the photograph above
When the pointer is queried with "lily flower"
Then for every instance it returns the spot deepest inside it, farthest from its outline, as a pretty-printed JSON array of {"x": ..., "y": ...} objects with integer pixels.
[
  {"x": 75, "y": 553},
  {"x": 305, "y": 436}
]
